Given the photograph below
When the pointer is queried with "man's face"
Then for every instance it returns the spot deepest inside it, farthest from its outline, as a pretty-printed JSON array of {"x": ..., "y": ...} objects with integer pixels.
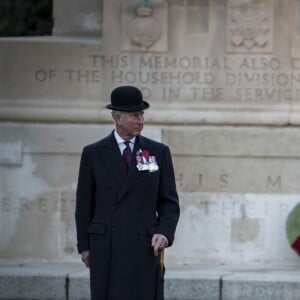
[{"x": 130, "y": 124}]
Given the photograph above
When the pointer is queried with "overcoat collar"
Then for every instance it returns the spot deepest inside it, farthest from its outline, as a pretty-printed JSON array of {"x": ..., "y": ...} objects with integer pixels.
[{"x": 116, "y": 166}]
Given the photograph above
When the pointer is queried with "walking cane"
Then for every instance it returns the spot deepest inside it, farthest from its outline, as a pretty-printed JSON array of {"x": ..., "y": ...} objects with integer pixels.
[
  {"x": 159, "y": 293},
  {"x": 161, "y": 254}
]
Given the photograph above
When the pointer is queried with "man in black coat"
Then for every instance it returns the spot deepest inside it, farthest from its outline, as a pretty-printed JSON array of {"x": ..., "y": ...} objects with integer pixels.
[{"x": 127, "y": 207}]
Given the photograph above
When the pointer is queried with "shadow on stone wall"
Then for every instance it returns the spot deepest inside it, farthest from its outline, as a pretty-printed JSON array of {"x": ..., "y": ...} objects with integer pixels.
[{"x": 25, "y": 18}]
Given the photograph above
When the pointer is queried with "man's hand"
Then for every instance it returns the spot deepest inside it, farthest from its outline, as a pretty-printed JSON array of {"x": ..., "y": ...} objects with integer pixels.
[
  {"x": 159, "y": 242},
  {"x": 85, "y": 257}
]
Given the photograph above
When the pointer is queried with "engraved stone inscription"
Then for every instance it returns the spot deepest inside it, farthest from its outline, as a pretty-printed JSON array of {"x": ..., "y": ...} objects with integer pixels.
[
  {"x": 227, "y": 183},
  {"x": 235, "y": 175},
  {"x": 192, "y": 79},
  {"x": 42, "y": 205}
]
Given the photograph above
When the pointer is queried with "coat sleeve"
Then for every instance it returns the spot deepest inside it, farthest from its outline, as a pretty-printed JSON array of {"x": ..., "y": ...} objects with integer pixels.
[
  {"x": 85, "y": 199},
  {"x": 168, "y": 202}
]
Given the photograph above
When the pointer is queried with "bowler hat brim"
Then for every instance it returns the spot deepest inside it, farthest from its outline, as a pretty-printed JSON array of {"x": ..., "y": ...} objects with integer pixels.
[{"x": 141, "y": 106}]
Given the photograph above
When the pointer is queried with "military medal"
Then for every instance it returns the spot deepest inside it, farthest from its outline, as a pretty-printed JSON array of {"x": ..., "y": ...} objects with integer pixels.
[
  {"x": 152, "y": 164},
  {"x": 145, "y": 162}
]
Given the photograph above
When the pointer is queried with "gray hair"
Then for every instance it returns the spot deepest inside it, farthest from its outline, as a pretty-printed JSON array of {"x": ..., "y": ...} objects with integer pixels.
[{"x": 116, "y": 113}]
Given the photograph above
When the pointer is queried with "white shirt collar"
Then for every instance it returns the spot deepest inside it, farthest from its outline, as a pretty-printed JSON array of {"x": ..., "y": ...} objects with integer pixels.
[{"x": 121, "y": 141}]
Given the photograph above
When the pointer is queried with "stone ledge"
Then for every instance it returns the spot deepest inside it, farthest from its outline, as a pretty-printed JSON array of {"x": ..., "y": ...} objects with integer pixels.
[
  {"x": 43, "y": 281},
  {"x": 262, "y": 285},
  {"x": 64, "y": 281},
  {"x": 91, "y": 111}
]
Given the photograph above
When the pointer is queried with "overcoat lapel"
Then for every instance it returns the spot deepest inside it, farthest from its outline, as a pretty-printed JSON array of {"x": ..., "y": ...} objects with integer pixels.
[
  {"x": 133, "y": 175},
  {"x": 113, "y": 160}
]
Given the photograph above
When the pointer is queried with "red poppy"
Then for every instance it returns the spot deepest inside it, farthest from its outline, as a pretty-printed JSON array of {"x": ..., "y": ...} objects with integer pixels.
[{"x": 145, "y": 153}]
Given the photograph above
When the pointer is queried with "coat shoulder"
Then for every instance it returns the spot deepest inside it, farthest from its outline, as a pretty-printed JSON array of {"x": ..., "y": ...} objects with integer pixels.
[
  {"x": 154, "y": 143},
  {"x": 90, "y": 148}
]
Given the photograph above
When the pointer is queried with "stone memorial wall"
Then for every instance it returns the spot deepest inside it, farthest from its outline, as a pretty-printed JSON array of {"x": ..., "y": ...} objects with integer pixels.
[{"x": 223, "y": 80}]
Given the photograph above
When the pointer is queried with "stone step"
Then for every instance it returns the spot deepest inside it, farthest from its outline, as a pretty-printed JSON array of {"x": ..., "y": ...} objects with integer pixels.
[{"x": 70, "y": 281}]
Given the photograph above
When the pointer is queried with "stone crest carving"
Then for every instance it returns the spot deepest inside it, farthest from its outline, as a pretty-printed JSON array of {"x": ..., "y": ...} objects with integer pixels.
[
  {"x": 249, "y": 29},
  {"x": 144, "y": 30},
  {"x": 144, "y": 27}
]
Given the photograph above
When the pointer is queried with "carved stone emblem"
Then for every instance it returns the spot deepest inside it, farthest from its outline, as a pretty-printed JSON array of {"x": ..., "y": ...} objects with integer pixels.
[
  {"x": 249, "y": 30},
  {"x": 144, "y": 30}
]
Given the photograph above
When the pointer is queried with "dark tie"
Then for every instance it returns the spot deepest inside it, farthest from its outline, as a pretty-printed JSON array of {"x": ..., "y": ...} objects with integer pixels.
[{"x": 127, "y": 154}]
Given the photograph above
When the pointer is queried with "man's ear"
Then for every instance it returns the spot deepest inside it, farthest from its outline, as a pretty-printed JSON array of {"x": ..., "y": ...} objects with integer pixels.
[{"x": 117, "y": 119}]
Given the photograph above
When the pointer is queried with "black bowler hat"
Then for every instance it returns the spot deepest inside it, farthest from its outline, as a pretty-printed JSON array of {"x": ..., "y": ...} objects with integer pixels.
[{"x": 127, "y": 98}]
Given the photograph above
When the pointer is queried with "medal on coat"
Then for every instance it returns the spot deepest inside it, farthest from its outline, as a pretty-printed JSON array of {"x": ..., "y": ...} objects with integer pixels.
[{"x": 145, "y": 162}]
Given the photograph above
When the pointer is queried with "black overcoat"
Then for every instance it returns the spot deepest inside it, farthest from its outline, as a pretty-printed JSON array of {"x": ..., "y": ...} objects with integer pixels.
[{"x": 117, "y": 214}]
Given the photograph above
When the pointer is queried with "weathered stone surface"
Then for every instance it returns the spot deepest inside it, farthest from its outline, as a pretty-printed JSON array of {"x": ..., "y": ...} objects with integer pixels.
[
  {"x": 79, "y": 286},
  {"x": 47, "y": 74},
  {"x": 11, "y": 145},
  {"x": 34, "y": 281},
  {"x": 232, "y": 141},
  {"x": 77, "y": 18},
  {"x": 215, "y": 228},
  {"x": 192, "y": 284},
  {"x": 262, "y": 285}
]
